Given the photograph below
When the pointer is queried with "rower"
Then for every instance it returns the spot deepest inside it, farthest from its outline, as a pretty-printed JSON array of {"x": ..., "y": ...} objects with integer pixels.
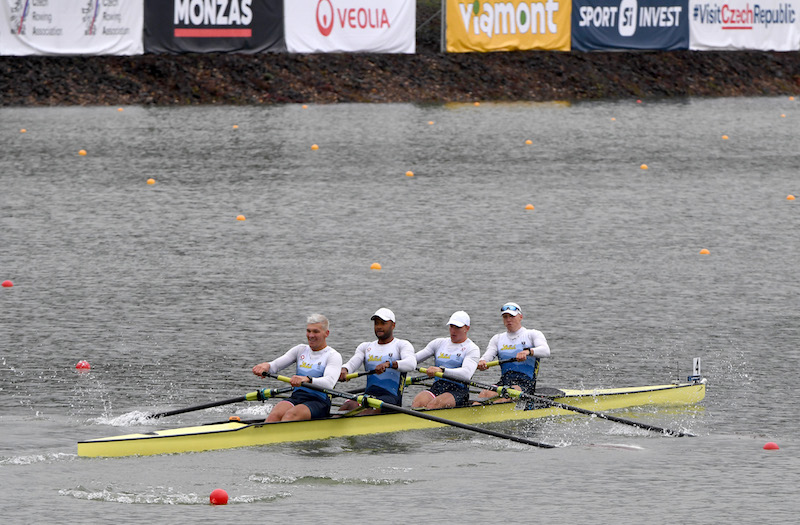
[
  {"x": 387, "y": 360},
  {"x": 455, "y": 357},
  {"x": 524, "y": 346},
  {"x": 316, "y": 363}
]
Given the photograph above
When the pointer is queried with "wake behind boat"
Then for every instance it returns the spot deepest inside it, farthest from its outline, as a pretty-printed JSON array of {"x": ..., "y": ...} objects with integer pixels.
[{"x": 234, "y": 434}]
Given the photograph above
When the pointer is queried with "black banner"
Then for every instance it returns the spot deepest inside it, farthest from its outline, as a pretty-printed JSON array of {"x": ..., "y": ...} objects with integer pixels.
[{"x": 213, "y": 26}]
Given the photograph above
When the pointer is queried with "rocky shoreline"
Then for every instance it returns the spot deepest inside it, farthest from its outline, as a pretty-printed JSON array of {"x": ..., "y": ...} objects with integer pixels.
[{"x": 428, "y": 76}]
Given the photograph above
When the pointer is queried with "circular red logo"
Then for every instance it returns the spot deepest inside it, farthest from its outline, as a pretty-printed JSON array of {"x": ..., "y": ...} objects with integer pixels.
[{"x": 325, "y": 17}]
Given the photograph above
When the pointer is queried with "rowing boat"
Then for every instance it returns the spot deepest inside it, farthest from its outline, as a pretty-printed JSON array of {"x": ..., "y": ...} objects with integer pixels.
[{"x": 234, "y": 434}]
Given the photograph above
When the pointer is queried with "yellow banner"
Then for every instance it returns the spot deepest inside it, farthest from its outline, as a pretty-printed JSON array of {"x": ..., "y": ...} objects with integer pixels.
[{"x": 495, "y": 25}]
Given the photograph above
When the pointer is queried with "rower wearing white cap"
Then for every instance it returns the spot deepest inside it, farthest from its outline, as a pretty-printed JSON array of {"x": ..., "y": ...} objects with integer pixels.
[
  {"x": 524, "y": 345},
  {"x": 455, "y": 357},
  {"x": 390, "y": 358}
]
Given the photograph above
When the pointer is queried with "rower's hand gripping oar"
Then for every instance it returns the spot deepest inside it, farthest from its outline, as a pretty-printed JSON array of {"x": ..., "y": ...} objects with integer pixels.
[
  {"x": 258, "y": 395},
  {"x": 377, "y": 403},
  {"x": 512, "y": 392}
]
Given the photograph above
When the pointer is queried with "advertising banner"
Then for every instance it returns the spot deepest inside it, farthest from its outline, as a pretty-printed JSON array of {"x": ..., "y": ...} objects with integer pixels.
[
  {"x": 765, "y": 25},
  {"x": 213, "y": 26},
  {"x": 71, "y": 27},
  {"x": 630, "y": 24},
  {"x": 336, "y": 26},
  {"x": 495, "y": 25}
]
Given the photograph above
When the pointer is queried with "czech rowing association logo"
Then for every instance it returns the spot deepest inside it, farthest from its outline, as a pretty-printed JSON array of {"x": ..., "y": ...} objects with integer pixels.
[{"x": 325, "y": 17}]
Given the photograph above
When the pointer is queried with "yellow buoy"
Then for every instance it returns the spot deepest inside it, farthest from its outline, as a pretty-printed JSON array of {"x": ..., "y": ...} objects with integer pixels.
[
  {"x": 529, "y": 206},
  {"x": 644, "y": 166},
  {"x": 240, "y": 217},
  {"x": 375, "y": 266},
  {"x": 314, "y": 147},
  {"x": 790, "y": 197},
  {"x": 82, "y": 153},
  {"x": 529, "y": 142},
  {"x": 409, "y": 173},
  {"x": 724, "y": 137},
  {"x": 704, "y": 252},
  {"x": 151, "y": 181}
]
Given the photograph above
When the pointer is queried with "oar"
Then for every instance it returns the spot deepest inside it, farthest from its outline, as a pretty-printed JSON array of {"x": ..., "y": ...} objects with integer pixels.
[
  {"x": 377, "y": 403},
  {"x": 359, "y": 374},
  {"x": 503, "y": 391},
  {"x": 259, "y": 395},
  {"x": 504, "y": 361}
]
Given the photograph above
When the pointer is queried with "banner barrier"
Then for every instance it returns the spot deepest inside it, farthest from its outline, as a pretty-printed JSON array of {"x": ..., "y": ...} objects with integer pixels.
[
  {"x": 213, "y": 26},
  {"x": 71, "y": 27},
  {"x": 495, "y": 25},
  {"x": 764, "y": 25},
  {"x": 630, "y": 24},
  {"x": 351, "y": 26}
]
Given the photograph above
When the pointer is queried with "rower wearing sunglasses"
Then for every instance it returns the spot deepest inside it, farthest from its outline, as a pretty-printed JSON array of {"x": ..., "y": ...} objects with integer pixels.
[{"x": 524, "y": 345}]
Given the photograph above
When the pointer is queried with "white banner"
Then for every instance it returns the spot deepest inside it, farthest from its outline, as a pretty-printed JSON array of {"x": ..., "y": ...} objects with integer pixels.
[
  {"x": 335, "y": 26},
  {"x": 765, "y": 25},
  {"x": 71, "y": 27}
]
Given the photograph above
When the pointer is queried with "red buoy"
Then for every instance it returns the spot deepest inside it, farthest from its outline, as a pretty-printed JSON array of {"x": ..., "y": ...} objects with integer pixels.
[
  {"x": 7, "y": 284},
  {"x": 218, "y": 497},
  {"x": 83, "y": 365},
  {"x": 771, "y": 446}
]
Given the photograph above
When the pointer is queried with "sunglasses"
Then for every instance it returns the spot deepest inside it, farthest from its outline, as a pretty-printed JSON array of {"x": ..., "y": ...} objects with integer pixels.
[{"x": 508, "y": 307}]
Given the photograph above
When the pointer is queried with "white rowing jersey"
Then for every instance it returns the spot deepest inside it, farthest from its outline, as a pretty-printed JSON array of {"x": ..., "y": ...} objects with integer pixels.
[
  {"x": 323, "y": 366},
  {"x": 460, "y": 360},
  {"x": 371, "y": 354},
  {"x": 508, "y": 344}
]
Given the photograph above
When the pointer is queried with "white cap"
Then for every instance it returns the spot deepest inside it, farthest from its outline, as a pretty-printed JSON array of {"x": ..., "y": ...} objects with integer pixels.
[
  {"x": 459, "y": 319},
  {"x": 385, "y": 314},
  {"x": 511, "y": 308}
]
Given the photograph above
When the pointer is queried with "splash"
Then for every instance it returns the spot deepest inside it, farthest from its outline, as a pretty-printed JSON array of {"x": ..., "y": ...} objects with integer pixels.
[
  {"x": 157, "y": 496},
  {"x": 36, "y": 458},
  {"x": 324, "y": 480},
  {"x": 125, "y": 420}
]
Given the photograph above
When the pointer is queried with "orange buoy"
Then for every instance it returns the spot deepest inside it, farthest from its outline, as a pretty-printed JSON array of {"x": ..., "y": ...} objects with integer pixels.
[
  {"x": 82, "y": 153},
  {"x": 704, "y": 252},
  {"x": 529, "y": 206},
  {"x": 375, "y": 266},
  {"x": 314, "y": 147},
  {"x": 529, "y": 142},
  {"x": 644, "y": 166},
  {"x": 240, "y": 217},
  {"x": 724, "y": 137},
  {"x": 790, "y": 197},
  {"x": 218, "y": 497},
  {"x": 409, "y": 173},
  {"x": 151, "y": 181}
]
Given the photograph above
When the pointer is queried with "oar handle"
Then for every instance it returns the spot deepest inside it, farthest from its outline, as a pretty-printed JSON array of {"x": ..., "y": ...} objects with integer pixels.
[
  {"x": 359, "y": 374},
  {"x": 503, "y": 361}
]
